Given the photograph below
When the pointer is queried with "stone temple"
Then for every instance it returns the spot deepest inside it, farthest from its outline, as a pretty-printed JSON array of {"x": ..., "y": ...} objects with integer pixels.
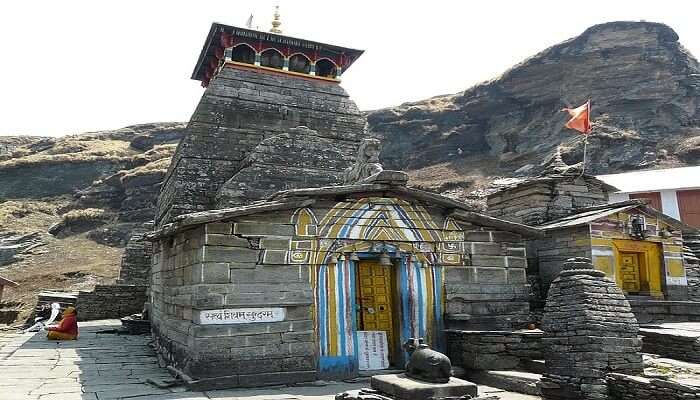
[
  {"x": 272, "y": 117},
  {"x": 280, "y": 242},
  {"x": 282, "y": 252}
]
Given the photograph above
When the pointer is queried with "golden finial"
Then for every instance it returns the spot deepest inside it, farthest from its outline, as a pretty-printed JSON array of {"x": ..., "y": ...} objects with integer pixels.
[{"x": 276, "y": 21}]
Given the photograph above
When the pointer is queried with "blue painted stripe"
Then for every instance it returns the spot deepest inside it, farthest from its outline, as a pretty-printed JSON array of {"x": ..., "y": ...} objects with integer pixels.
[
  {"x": 421, "y": 305},
  {"x": 405, "y": 310},
  {"x": 352, "y": 221},
  {"x": 340, "y": 277},
  {"x": 407, "y": 220}
]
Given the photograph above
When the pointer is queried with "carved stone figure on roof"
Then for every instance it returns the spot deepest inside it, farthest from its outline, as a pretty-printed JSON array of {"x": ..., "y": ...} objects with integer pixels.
[{"x": 367, "y": 163}]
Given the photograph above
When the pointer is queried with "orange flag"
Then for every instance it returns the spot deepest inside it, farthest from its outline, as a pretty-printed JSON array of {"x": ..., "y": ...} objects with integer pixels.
[{"x": 580, "y": 118}]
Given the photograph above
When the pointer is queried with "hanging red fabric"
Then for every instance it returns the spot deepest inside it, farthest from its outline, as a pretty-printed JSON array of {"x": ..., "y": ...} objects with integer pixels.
[{"x": 580, "y": 118}]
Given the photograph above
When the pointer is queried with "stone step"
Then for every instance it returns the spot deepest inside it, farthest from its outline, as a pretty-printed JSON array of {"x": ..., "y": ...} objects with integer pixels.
[
  {"x": 534, "y": 366},
  {"x": 512, "y": 381}
]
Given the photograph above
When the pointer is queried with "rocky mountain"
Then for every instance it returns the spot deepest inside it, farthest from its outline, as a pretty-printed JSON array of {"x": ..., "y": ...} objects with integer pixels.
[
  {"x": 645, "y": 92},
  {"x": 100, "y": 184},
  {"x": 68, "y": 205}
]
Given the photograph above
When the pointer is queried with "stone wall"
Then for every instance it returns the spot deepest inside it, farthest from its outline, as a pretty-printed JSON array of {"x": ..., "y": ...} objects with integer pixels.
[
  {"x": 237, "y": 111},
  {"x": 546, "y": 255},
  {"x": 493, "y": 350},
  {"x": 630, "y": 387},
  {"x": 110, "y": 301},
  {"x": 692, "y": 273},
  {"x": 691, "y": 260},
  {"x": 543, "y": 199},
  {"x": 210, "y": 268},
  {"x": 136, "y": 260},
  {"x": 490, "y": 291},
  {"x": 657, "y": 311},
  {"x": 278, "y": 259}
]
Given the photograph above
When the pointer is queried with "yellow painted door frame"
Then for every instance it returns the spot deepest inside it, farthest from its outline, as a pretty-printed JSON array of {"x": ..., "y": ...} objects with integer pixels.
[{"x": 650, "y": 262}]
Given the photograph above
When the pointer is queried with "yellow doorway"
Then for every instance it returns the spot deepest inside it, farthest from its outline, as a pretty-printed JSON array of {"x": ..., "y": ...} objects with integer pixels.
[
  {"x": 629, "y": 269},
  {"x": 376, "y": 301},
  {"x": 639, "y": 265}
]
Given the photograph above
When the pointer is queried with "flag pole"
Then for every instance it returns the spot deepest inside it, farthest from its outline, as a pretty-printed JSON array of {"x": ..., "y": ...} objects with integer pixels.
[
  {"x": 585, "y": 144},
  {"x": 585, "y": 136}
]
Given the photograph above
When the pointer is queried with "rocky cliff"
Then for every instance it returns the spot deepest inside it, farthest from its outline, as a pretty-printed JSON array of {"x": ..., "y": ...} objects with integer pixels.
[{"x": 645, "y": 92}]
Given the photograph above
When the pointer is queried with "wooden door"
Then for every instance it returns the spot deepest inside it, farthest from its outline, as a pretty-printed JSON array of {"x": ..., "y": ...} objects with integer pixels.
[
  {"x": 653, "y": 197},
  {"x": 689, "y": 206},
  {"x": 629, "y": 268},
  {"x": 376, "y": 300}
]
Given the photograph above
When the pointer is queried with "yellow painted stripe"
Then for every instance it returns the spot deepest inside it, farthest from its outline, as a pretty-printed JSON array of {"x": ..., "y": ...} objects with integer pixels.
[
  {"x": 332, "y": 313},
  {"x": 601, "y": 242},
  {"x": 429, "y": 303}
]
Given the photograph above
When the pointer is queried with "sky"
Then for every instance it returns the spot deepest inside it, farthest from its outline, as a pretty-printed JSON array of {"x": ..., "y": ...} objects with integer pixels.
[{"x": 73, "y": 66}]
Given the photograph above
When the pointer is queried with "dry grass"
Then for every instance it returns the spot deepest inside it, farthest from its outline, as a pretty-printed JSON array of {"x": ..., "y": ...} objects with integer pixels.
[
  {"x": 46, "y": 266},
  {"x": 29, "y": 215},
  {"x": 438, "y": 177},
  {"x": 73, "y": 150},
  {"x": 85, "y": 215},
  {"x": 150, "y": 168}
]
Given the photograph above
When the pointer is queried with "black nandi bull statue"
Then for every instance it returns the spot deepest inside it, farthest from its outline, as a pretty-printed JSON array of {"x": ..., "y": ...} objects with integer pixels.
[{"x": 426, "y": 364}]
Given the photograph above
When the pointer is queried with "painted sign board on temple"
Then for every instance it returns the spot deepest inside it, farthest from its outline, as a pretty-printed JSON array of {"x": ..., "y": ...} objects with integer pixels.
[
  {"x": 373, "y": 350},
  {"x": 241, "y": 315}
]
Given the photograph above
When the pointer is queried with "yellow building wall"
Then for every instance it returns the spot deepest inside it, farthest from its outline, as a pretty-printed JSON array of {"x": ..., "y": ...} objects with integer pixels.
[{"x": 660, "y": 255}]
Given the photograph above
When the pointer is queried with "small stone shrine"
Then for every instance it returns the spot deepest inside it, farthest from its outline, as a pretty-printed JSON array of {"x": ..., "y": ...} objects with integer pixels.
[
  {"x": 589, "y": 331},
  {"x": 637, "y": 246}
]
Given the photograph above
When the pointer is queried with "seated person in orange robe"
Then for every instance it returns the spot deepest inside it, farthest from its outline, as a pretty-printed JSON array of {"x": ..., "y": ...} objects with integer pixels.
[{"x": 67, "y": 329}]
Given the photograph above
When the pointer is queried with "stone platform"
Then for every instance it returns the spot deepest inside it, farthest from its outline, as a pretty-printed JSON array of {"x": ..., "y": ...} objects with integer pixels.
[
  {"x": 403, "y": 388},
  {"x": 680, "y": 341},
  {"x": 650, "y": 311},
  {"x": 104, "y": 366}
]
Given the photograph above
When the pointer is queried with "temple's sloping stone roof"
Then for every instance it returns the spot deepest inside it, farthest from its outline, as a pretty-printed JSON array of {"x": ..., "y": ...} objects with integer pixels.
[
  {"x": 591, "y": 214},
  {"x": 296, "y": 198},
  {"x": 521, "y": 182}
]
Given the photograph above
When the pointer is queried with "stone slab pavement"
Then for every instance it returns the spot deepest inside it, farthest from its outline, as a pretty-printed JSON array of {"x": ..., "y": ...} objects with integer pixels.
[{"x": 106, "y": 366}]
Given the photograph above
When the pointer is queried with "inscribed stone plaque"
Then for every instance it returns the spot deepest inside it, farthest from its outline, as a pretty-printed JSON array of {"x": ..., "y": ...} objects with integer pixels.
[
  {"x": 373, "y": 350},
  {"x": 241, "y": 315}
]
